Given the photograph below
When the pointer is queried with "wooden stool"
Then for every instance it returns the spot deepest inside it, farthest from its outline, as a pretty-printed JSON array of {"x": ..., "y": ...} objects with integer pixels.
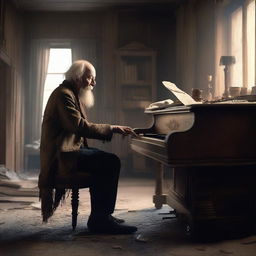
[{"x": 74, "y": 182}]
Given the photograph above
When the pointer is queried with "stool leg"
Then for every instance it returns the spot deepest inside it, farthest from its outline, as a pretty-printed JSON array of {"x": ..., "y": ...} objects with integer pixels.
[{"x": 74, "y": 203}]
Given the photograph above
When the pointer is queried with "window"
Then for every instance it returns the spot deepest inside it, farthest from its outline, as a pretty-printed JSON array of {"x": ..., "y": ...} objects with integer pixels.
[
  {"x": 242, "y": 44},
  {"x": 60, "y": 60}
]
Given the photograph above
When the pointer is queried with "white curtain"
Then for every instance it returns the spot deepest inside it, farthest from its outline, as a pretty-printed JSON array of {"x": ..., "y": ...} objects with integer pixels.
[
  {"x": 220, "y": 47},
  {"x": 239, "y": 32},
  {"x": 38, "y": 65}
]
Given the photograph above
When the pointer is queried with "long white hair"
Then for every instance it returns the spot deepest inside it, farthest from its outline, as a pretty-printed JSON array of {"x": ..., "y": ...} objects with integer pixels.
[{"x": 77, "y": 70}]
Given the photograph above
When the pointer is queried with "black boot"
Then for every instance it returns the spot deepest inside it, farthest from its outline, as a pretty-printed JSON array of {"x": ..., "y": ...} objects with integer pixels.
[
  {"x": 118, "y": 220},
  {"x": 107, "y": 225}
]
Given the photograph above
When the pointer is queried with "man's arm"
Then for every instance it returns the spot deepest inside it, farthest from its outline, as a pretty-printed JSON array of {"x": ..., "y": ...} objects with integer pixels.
[
  {"x": 72, "y": 120},
  {"x": 124, "y": 130}
]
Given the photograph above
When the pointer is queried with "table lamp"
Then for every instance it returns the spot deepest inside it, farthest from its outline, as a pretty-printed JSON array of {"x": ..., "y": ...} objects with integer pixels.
[{"x": 227, "y": 61}]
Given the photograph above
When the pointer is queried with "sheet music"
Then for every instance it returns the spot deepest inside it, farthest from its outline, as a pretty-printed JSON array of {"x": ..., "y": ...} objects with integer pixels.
[
  {"x": 160, "y": 104},
  {"x": 183, "y": 97}
]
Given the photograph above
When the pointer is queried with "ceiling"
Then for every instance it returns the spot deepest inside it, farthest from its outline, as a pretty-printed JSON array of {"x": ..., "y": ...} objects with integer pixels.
[{"x": 83, "y": 5}]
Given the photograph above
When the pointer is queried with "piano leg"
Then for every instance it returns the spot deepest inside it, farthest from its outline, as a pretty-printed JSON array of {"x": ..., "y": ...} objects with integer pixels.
[{"x": 159, "y": 198}]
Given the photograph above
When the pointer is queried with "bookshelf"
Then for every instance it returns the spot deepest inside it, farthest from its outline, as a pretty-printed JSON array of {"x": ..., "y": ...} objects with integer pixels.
[
  {"x": 136, "y": 89},
  {"x": 136, "y": 81}
]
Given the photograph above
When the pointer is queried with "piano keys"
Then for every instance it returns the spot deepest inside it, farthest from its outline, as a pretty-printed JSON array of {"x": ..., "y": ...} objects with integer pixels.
[{"x": 211, "y": 151}]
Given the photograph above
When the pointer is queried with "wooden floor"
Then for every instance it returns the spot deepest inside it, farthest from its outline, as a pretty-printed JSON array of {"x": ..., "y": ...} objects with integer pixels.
[{"x": 23, "y": 234}]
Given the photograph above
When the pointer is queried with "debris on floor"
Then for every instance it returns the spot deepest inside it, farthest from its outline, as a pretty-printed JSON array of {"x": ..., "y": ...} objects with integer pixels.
[
  {"x": 225, "y": 252},
  {"x": 16, "y": 192},
  {"x": 141, "y": 238},
  {"x": 117, "y": 247}
]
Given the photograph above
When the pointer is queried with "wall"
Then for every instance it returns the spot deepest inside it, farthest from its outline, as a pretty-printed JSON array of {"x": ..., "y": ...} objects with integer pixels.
[
  {"x": 12, "y": 49},
  {"x": 195, "y": 44},
  {"x": 63, "y": 24}
]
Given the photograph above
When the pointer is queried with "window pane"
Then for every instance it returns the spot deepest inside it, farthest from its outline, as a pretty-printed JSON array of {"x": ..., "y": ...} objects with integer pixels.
[
  {"x": 60, "y": 60},
  {"x": 236, "y": 47},
  {"x": 52, "y": 81},
  {"x": 251, "y": 43}
]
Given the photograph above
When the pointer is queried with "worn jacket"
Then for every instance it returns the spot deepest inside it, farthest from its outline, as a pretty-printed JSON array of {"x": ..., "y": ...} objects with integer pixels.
[{"x": 65, "y": 128}]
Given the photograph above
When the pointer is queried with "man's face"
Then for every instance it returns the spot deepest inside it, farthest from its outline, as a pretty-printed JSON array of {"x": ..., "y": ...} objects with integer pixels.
[
  {"x": 89, "y": 78},
  {"x": 85, "y": 85}
]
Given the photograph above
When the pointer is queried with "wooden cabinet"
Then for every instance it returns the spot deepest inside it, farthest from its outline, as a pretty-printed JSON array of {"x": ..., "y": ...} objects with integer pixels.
[{"x": 136, "y": 82}]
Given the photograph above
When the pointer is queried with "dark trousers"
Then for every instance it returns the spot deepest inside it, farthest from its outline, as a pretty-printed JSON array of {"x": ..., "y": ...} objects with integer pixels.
[{"x": 104, "y": 169}]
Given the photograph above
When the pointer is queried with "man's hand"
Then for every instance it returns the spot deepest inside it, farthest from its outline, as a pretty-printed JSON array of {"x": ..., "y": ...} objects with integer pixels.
[{"x": 124, "y": 130}]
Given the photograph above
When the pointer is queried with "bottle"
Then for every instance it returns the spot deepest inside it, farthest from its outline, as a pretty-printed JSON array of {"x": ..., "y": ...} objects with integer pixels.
[{"x": 209, "y": 88}]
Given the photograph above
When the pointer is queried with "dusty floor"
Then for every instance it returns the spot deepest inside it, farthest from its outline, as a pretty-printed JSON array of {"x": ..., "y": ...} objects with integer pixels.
[{"x": 22, "y": 233}]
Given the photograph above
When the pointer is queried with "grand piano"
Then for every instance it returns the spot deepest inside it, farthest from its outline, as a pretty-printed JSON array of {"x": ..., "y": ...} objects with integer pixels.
[{"x": 210, "y": 149}]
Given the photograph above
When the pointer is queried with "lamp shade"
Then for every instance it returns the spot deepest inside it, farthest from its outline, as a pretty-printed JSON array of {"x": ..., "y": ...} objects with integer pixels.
[{"x": 227, "y": 60}]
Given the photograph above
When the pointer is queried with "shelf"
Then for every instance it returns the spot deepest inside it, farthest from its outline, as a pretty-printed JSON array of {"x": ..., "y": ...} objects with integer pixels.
[{"x": 135, "y": 82}]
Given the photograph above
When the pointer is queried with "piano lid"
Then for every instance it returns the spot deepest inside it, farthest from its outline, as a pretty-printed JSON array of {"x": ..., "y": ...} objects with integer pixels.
[{"x": 197, "y": 107}]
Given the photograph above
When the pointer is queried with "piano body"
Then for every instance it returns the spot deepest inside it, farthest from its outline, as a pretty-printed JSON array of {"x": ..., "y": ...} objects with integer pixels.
[{"x": 211, "y": 151}]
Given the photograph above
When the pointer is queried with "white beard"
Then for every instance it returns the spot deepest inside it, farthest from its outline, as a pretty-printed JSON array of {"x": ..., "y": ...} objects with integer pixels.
[{"x": 86, "y": 97}]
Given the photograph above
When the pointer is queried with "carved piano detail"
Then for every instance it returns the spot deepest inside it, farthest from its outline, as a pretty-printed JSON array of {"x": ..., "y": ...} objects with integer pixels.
[{"x": 211, "y": 151}]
